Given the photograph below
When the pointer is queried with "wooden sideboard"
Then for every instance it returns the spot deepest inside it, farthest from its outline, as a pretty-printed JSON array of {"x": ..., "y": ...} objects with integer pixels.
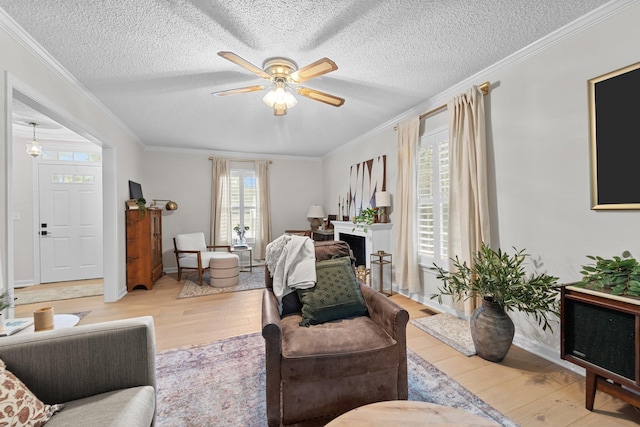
[
  {"x": 601, "y": 333},
  {"x": 144, "y": 247}
]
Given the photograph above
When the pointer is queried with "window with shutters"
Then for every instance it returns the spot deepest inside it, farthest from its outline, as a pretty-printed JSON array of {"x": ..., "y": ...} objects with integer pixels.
[
  {"x": 244, "y": 201},
  {"x": 433, "y": 196}
]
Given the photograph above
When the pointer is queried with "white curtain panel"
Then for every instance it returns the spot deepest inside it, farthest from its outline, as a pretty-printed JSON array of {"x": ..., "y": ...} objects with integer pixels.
[
  {"x": 220, "y": 202},
  {"x": 264, "y": 209},
  {"x": 469, "y": 224},
  {"x": 404, "y": 235}
]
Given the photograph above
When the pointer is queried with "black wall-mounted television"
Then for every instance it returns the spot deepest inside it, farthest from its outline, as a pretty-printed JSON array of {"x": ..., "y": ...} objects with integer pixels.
[{"x": 135, "y": 190}]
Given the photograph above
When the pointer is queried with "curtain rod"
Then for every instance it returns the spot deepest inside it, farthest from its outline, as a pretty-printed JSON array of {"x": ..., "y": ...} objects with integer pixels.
[
  {"x": 484, "y": 88},
  {"x": 241, "y": 160}
]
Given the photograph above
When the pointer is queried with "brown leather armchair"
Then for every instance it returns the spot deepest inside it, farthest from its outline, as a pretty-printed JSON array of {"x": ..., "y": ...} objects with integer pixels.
[{"x": 314, "y": 374}]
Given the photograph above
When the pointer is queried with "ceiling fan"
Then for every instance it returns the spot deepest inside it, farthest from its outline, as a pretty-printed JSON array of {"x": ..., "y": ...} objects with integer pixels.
[{"x": 283, "y": 73}]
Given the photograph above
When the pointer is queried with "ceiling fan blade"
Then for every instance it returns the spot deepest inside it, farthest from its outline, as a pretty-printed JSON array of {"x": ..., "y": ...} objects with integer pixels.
[
  {"x": 238, "y": 90},
  {"x": 316, "y": 95},
  {"x": 313, "y": 70},
  {"x": 230, "y": 56}
]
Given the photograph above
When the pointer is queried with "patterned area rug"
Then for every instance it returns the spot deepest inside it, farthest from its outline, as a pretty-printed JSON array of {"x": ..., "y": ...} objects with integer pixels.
[
  {"x": 248, "y": 280},
  {"x": 223, "y": 383},
  {"x": 449, "y": 329},
  {"x": 58, "y": 293}
]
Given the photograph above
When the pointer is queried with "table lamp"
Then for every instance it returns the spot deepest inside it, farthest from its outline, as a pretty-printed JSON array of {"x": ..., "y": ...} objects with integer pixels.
[
  {"x": 316, "y": 214},
  {"x": 383, "y": 201}
]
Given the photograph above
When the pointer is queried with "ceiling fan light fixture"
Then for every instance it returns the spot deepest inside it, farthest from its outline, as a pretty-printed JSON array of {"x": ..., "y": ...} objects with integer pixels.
[
  {"x": 34, "y": 148},
  {"x": 289, "y": 99},
  {"x": 284, "y": 76},
  {"x": 279, "y": 110},
  {"x": 279, "y": 98}
]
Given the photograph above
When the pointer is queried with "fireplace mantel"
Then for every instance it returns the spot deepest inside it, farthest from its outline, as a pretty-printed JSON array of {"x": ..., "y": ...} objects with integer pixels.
[{"x": 377, "y": 237}]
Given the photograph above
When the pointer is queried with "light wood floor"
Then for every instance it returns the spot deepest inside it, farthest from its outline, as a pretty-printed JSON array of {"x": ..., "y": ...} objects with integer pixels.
[{"x": 529, "y": 390}]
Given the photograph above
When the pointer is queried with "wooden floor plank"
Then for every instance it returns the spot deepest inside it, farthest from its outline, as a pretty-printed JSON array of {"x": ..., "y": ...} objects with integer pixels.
[{"x": 530, "y": 390}]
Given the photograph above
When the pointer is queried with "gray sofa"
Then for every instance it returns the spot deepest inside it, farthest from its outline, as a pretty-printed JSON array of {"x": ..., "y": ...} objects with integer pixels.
[{"x": 104, "y": 373}]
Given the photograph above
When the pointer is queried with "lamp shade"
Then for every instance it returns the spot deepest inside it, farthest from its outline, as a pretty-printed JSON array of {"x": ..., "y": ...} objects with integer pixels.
[
  {"x": 315, "y": 211},
  {"x": 383, "y": 199}
]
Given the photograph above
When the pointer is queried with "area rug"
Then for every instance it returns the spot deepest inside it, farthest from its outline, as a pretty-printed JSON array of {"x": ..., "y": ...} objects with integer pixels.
[
  {"x": 449, "y": 329},
  {"x": 248, "y": 280},
  {"x": 58, "y": 293},
  {"x": 223, "y": 383}
]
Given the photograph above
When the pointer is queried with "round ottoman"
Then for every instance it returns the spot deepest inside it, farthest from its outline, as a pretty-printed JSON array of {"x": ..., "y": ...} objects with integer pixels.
[{"x": 223, "y": 270}]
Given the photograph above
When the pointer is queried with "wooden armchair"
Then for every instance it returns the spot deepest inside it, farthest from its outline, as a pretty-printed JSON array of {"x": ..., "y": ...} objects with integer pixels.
[{"x": 192, "y": 253}]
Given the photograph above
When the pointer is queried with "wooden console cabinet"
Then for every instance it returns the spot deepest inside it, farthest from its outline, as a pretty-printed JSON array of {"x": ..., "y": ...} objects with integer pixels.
[
  {"x": 144, "y": 248},
  {"x": 601, "y": 333}
]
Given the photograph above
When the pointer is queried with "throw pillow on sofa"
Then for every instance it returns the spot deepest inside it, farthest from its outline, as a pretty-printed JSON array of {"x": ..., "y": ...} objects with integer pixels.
[
  {"x": 336, "y": 294},
  {"x": 18, "y": 405}
]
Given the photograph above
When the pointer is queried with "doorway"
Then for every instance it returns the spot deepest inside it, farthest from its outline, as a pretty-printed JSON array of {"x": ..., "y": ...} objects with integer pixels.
[
  {"x": 20, "y": 93},
  {"x": 57, "y": 209}
]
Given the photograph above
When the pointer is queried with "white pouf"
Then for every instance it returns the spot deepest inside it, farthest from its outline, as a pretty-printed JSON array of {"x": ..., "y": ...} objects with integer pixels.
[{"x": 224, "y": 271}]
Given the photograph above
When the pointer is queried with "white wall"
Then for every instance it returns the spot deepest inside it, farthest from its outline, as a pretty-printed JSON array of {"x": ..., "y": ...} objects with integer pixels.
[
  {"x": 185, "y": 178},
  {"x": 539, "y": 157},
  {"x": 23, "y": 68},
  {"x": 23, "y": 206},
  {"x": 539, "y": 127},
  {"x": 336, "y": 165}
]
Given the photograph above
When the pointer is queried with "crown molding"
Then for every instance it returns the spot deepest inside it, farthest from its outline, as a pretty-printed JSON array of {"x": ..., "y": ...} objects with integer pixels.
[
  {"x": 569, "y": 30},
  {"x": 231, "y": 155},
  {"x": 32, "y": 46}
]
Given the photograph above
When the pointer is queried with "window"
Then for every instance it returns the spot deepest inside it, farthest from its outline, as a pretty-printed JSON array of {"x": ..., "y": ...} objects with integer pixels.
[
  {"x": 433, "y": 196},
  {"x": 244, "y": 201}
]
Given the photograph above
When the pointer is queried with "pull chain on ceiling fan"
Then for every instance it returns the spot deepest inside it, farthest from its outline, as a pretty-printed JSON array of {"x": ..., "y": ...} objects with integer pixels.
[{"x": 283, "y": 73}]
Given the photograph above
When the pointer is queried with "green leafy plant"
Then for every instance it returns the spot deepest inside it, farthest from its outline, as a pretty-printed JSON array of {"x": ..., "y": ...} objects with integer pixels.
[
  {"x": 621, "y": 275},
  {"x": 142, "y": 207},
  {"x": 366, "y": 217},
  {"x": 501, "y": 278}
]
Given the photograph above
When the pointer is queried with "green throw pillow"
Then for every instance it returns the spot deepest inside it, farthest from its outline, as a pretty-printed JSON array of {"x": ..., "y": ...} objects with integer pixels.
[{"x": 336, "y": 294}]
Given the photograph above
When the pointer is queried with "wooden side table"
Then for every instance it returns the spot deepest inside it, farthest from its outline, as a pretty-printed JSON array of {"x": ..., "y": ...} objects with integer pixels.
[
  {"x": 408, "y": 413},
  {"x": 60, "y": 321}
]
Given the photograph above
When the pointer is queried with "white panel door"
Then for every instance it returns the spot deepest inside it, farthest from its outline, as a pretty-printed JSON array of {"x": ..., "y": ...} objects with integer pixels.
[{"x": 70, "y": 223}]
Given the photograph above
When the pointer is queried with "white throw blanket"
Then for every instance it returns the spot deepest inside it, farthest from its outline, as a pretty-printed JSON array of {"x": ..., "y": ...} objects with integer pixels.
[{"x": 291, "y": 261}]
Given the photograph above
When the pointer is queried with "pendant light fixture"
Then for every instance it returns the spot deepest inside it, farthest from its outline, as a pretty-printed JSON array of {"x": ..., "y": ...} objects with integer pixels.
[{"x": 34, "y": 148}]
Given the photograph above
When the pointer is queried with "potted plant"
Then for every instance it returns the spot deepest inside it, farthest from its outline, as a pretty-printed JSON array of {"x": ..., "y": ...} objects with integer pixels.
[
  {"x": 618, "y": 275},
  {"x": 142, "y": 207},
  {"x": 500, "y": 279},
  {"x": 366, "y": 217}
]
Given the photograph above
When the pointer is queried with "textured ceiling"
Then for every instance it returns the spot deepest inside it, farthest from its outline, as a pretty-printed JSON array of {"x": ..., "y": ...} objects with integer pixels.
[{"x": 153, "y": 63}]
